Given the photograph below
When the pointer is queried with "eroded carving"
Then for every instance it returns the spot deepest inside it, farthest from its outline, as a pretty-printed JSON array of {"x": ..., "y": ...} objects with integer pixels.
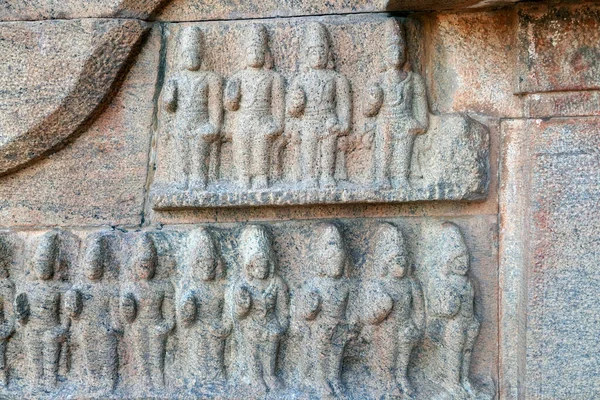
[
  {"x": 39, "y": 310},
  {"x": 7, "y": 296},
  {"x": 452, "y": 306},
  {"x": 256, "y": 96},
  {"x": 200, "y": 309},
  {"x": 325, "y": 307},
  {"x": 148, "y": 310},
  {"x": 395, "y": 308},
  {"x": 93, "y": 306},
  {"x": 321, "y": 98},
  {"x": 260, "y": 310},
  {"x": 194, "y": 96},
  {"x": 399, "y": 101}
]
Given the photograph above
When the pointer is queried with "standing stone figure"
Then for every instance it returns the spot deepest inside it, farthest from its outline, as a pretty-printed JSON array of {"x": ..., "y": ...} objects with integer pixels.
[
  {"x": 260, "y": 310},
  {"x": 195, "y": 97},
  {"x": 399, "y": 100},
  {"x": 200, "y": 306},
  {"x": 256, "y": 94},
  {"x": 394, "y": 307},
  {"x": 38, "y": 310},
  {"x": 93, "y": 305},
  {"x": 7, "y": 296},
  {"x": 451, "y": 305},
  {"x": 321, "y": 98},
  {"x": 326, "y": 308},
  {"x": 148, "y": 310}
]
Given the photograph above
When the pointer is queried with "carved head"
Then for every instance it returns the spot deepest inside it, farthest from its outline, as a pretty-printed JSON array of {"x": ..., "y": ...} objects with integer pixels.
[
  {"x": 317, "y": 45},
  {"x": 328, "y": 252},
  {"x": 45, "y": 256},
  {"x": 389, "y": 252},
  {"x": 190, "y": 42},
  {"x": 145, "y": 258},
  {"x": 95, "y": 257},
  {"x": 257, "y": 46},
  {"x": 454, "y": 252},
  {"x": 6, "y": 255},
  {"x": 395, "y": 44},
  {"x": 202, "y": 255},
  {"x": 258, "y": 258}
]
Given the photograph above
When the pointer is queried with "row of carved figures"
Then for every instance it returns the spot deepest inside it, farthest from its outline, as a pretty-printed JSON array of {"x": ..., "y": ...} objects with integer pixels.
[
  {"x": 319, "y": 99},
  {"x": 252, "y": 309}
]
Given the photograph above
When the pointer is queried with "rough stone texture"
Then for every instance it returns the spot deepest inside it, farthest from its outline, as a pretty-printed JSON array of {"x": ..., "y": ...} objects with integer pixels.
[
  {"x": 364, "y": 166},
  {"x": 67, "y": 70},
  {"x": 20, "y": 10},
  {"x": 560, "y": 264},
  {"x": 558, "y": 48},
  {"x": 98, "y": 179},
  {"x": 117, "y": 280}
]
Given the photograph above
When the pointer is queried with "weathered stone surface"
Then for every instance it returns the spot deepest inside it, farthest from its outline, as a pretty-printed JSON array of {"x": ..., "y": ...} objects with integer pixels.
[
  {"x": 557, "y": 257},
  {"x": 471, "y": 59},
  {"x": 195, "y": 10},
  {"x": 99, "y": 178},
  {"x": 558, "y": 48},
  {"x": 562, "y": 104},
  {"x": 54, "y": 77},
  {"x": 230, "y": 293},
  {"x": 271, "y": 148},
  {"x": 21, "y": 10}
]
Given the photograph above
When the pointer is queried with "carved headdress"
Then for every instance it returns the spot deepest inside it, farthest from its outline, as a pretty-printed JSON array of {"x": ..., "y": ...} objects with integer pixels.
[
  {"x": 256, "y": 239},
  {"x": 200, "y": 246},
  {"x": 394, "y": 33},
  {"x": 316, "y": 34},
  {"x": 190, "y": 45},
  {"x": 327, "y": 238},
  {"x": 387, "y": 239},
  {"x": 145, "y": 254},
  {"x": 451, "y": 244},
  {"x": 256, "y": 35}
]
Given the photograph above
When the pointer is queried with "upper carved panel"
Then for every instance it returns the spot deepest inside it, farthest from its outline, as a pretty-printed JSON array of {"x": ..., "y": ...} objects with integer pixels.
[{"x": 304, "y": 112}]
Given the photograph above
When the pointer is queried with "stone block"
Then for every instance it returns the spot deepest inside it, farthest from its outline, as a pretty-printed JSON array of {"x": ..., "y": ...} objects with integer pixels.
[
  {"x": 549, "y": 256},
  {"x": 558, "y": 48},
  {"x": 99, "y": 178}
]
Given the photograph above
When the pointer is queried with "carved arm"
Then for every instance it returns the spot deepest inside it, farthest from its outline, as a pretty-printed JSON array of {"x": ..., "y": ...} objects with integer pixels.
[
  {"x": 373, "y": 100},
  {"x": 170, "y": 95},
  {"x": 233, "y": 94},
  {"x": 215, "y": 101},
  {"x": 343, "y": 104},
  {"x": 22, "y": 308},
  {"x": 296, "y": 101},
  {"x": 420, "y": 107}
]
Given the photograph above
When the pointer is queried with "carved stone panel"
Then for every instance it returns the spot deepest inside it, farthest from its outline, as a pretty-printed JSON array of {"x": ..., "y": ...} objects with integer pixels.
[
  {"x": 352, "y": 309},
  {"x": 307, "y": 111}
]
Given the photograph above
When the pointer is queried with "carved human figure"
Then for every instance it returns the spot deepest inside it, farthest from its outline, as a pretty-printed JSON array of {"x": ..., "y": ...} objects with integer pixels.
[
  {"x": 260, "y": 310},
  {"x": 394, "y": 307},
  {"x": 325, "y": 307},
  {"x": 195, "y": 97},
  {"x": 399, "y": 100},
  {"x": 451, "y": 305},
  {"x": 93, "y": 305},
  {"x": 256, "y": 95},
  {"x": 7, "y": 297},
  {"x": 38, "y": 310},
  {"x": 148, "y": 311},
  {"x": 320, "y": 97},
  {"x": 200, "y": 307}
]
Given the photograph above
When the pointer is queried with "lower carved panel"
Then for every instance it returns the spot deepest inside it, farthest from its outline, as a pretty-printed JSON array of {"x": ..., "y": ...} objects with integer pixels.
[{"x": 326, "y": 309}]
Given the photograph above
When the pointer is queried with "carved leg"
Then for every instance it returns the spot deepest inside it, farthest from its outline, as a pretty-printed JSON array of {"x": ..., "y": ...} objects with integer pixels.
[
  {"x": 335, "y": 368},
  {"x": 156, "y": 359},
  {"x": 3, "y": 369},
  {"x": 327, "y": 162},
  {"x": 471, "y": 334},
  {"x": 269, "y": 363},
  {"x": 51, "y": 354},
  {"x": 241, "y": 155},
  {"x": 401, "y": 157},
  {"x": 310, "y": 147},
  {"x": 182, "y": 163},
  {"x": 386, "y": 354},
  {"x": 403, "y": 359},
  {"x": 382, "y": 156},
  {"x": 255, "y": 371},
  {"x": 35, "y": 358},
  {"x": 452, "y": 347},
  {"x": 199, "y": 164},
  {"x": 260, "y": 161}
]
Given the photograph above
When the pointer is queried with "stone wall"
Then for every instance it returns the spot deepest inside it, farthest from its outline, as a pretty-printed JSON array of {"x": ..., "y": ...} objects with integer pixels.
[{"x": 299, "y": 199}]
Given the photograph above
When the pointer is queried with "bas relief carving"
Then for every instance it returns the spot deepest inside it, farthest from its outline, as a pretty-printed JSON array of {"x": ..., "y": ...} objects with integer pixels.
[
  {"x": 307, "y": 134},
  {"x": 236, "y": 310}
]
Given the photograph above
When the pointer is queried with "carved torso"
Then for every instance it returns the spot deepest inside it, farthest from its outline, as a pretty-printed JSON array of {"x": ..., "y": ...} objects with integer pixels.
[
  {"x": 256, "y": 88},
  {"x": 334, "y": 298},
  {"x": 44, "y": 305},
  {"x": 398, "y": 94},
  {"x": 192, "y": 97},
  {"x": 319, "y": 87},
  {"x": 209, "y": 302},
  {"x": 149, "y": 297},
  {"x": 96, "y": 310}
]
